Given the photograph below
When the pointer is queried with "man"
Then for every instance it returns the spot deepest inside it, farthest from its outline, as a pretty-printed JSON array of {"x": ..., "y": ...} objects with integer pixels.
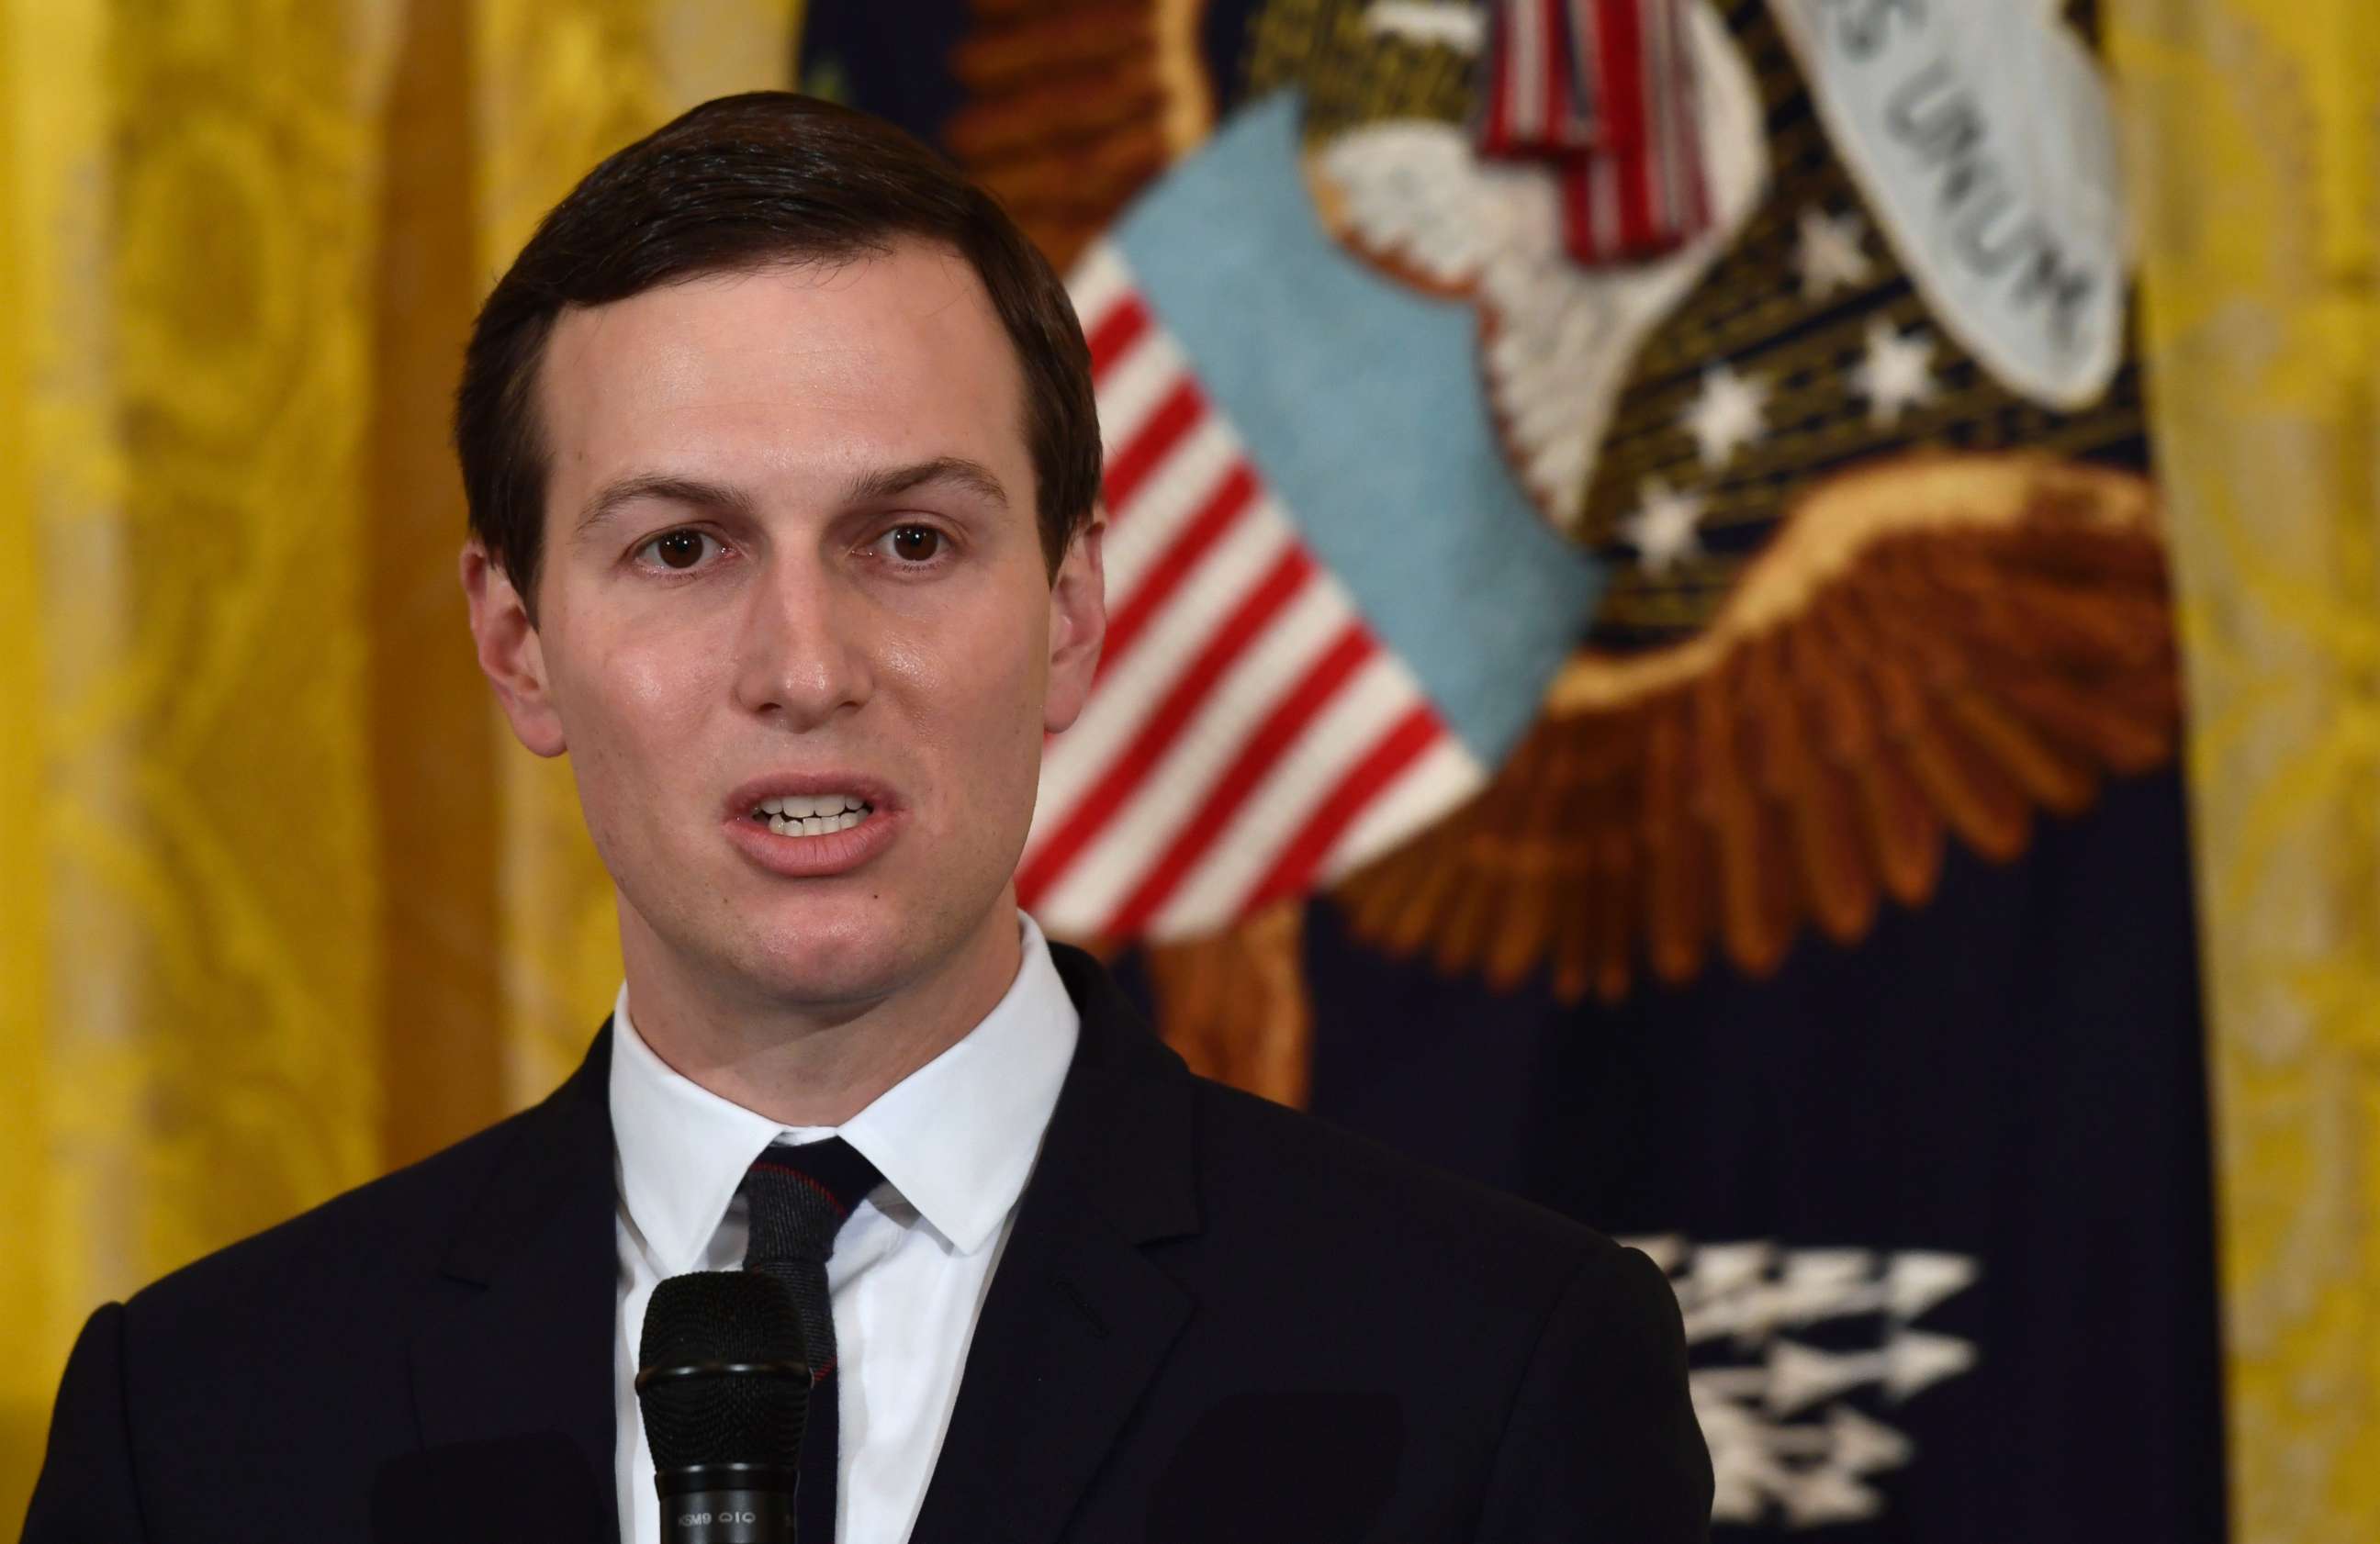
[{"x": 782, "y": 462}]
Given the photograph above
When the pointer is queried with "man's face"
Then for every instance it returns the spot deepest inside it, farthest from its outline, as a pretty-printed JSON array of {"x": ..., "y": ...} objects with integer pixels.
[{"x": 791, "y": 553}]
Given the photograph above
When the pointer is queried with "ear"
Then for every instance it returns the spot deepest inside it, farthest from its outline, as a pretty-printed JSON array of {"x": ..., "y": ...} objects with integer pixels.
[
  {"x": 1078, "y": 626},
  {"x": 510, "y": 652}
]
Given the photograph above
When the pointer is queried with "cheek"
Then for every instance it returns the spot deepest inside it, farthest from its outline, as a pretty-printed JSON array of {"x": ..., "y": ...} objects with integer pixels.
[
  {"x": 631, "y": 706},
  {"x": 975, "y": 705},
  {"x": 1011, "y": 741}
]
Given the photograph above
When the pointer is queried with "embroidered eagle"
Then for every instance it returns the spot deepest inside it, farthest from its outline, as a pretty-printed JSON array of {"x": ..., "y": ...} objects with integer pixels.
[{"x": 1859, "y": 596}]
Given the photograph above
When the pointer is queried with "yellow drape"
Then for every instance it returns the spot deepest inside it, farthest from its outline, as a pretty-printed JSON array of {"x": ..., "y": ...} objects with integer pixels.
[
  {"x": 279, "y": 904},
  {"x": 2256, "y": 133}
]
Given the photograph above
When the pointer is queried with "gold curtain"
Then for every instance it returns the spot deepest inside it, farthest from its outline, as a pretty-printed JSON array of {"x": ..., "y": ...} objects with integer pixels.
[
  {"x": 281, "y": 906},
  {"x": 2256, "y": 140}
]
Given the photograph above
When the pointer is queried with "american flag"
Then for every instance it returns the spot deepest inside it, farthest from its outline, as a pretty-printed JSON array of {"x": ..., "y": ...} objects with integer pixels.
[
  {"x": 1606, "y": 88},
  {"x": 1248, "y": 737}
]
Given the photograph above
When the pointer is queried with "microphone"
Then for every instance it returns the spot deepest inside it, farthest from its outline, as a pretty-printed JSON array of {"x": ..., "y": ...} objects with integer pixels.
[{"x": 723, "y": 1379}]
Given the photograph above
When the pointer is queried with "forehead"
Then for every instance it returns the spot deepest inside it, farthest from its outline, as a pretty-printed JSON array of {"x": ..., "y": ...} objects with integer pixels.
[{"x": 787, "y": 371}]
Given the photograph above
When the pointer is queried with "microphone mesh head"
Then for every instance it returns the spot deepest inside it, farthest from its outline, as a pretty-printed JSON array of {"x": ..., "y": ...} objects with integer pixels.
[{"x": 726, "y": 1418}]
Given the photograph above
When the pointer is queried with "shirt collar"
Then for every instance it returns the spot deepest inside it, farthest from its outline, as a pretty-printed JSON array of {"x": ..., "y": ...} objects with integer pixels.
[{"x": 956, "y": 1138}]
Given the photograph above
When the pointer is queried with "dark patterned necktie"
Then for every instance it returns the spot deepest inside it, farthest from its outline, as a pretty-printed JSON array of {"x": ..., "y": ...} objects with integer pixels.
[{"x": 800, "y": 1197}]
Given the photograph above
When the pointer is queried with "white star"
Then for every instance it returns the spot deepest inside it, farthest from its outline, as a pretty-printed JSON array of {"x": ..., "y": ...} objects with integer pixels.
[
  {"x": 1662, "y": 529},
  {"x": 1828, "y": 254},
  {"x": 1727, "y": 413},
  {"x": 1895, "y": 377}
]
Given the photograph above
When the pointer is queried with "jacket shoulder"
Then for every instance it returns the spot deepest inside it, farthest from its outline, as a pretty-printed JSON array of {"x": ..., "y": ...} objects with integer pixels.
[
  {"x": 1264, "y": 1157},
  {"x": 1278, "y": 1187},
  {"x": 393, "y": 1227}
]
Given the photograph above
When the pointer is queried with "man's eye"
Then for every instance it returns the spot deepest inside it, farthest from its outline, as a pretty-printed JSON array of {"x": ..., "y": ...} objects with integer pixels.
[
  {"x": 678, "y": 549},
  {"x": 915, "y": 544}
]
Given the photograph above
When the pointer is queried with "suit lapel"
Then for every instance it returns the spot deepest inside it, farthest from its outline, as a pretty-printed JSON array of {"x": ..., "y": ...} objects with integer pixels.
[
  {"x": 1077, "y": 1320},
  {"x": 525, "y": 1349},
  {"x": 1076, "y": 1323}
]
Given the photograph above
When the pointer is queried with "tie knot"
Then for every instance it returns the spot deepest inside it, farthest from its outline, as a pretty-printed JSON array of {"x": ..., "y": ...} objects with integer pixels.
[{"x": 799, "y": 1196}]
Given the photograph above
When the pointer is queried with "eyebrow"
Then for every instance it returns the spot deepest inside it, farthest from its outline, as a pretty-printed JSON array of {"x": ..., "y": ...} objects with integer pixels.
[
  {"x": 952, "y": 471},
  {"x": 617, "y": 496},
  {"x": 872, "y": 486}
]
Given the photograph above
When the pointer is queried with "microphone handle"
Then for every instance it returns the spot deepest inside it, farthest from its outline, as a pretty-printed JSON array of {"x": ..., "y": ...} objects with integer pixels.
[{"x": 728, "y": 1516}]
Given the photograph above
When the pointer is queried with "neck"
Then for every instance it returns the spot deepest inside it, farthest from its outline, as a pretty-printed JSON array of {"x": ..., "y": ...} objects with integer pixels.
[{"x": 812, "y": 1064}]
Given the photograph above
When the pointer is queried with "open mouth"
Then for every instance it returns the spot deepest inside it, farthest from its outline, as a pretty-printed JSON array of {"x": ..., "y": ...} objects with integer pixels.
[{"x": 818, "y": 816}]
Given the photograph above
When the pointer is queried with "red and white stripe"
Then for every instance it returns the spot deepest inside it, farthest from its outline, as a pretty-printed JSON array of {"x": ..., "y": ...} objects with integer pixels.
[
  {"x": 1605, "y": 89},
  {"x": 1248, "y": 737}
]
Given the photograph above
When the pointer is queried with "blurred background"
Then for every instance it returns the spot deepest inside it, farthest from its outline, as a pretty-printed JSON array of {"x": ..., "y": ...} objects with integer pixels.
[{"x": 1752, "y": 618}]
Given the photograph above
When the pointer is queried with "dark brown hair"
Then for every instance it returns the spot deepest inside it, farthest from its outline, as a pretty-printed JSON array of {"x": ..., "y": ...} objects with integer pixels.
[{"x": 744, "y": 181}]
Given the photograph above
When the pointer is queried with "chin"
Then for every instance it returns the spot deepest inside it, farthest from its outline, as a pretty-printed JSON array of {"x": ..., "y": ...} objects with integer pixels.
[
  {"x": 843, "y": 958},
  {"x": 854, "y": 983},
  {"x": 850, "y": 940}
]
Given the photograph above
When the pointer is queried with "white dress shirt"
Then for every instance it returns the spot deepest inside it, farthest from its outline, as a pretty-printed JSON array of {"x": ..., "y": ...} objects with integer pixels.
[{"x": 955, "y": 1140}]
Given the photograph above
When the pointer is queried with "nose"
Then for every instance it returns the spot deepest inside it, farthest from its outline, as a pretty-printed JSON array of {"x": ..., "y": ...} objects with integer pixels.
[{"x": 800, "y": 653}]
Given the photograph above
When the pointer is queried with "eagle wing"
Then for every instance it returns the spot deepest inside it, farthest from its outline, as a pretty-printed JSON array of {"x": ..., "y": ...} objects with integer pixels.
[
  {"x": 1937, "y": 645},
  {"x": 1074, "y": 106},
  {"x": 1234, "y": 1004}
]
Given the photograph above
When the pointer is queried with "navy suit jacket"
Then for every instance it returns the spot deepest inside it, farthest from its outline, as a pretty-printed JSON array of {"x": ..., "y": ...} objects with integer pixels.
[{"x": 1216, "y": 1318}]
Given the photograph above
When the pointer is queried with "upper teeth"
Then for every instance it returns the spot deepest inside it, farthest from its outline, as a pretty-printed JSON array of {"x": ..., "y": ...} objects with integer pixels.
[{"x": 799, "y": 809}]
